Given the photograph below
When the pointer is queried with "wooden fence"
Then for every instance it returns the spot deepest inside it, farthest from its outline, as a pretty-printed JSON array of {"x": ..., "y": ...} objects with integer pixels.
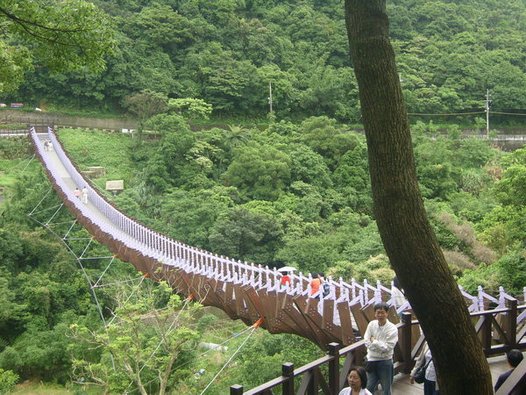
[{"x": 498, "y": 330}]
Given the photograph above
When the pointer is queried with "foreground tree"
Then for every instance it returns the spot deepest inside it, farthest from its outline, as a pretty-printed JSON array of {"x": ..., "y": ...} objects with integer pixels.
[
  {"x": 398, "y": 206},
  {"x": 61, "y": 35},
  {"x": 147, "y": 343}
]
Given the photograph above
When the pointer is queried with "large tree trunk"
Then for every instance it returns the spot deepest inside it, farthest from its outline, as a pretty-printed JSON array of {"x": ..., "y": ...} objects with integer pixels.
[{"x": 408, "y": 238}]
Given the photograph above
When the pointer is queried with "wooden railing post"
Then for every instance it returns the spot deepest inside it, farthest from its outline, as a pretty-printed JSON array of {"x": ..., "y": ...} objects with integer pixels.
[
  {"x": 512, "y": 324},
  {"x": 486, "y": 333},
  {"x": 287, "y": 370},
  {"x": 334, "y": 368},
  {"x": 236, "y": 389},
  {"x": 314, "y": 383},
  {"x": 406, "y": 342}
]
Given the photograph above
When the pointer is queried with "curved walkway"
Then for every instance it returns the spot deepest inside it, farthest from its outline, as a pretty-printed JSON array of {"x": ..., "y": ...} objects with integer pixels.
[
  {"x": 245, "y": 291},
  {"x": 253, "y": 293}
]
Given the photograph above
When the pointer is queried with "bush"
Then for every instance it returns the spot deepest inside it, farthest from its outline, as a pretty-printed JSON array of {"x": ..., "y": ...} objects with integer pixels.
[
  {"x": 8, "y": 380},
  {"x": 512, "y": 271}
]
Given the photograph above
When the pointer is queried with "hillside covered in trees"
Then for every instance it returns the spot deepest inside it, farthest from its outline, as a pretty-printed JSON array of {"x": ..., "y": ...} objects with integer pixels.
[
  {"x": 227, "y": 53},
  {"x": 295, "y": 191},
  {"x": 294, "y": 194}
]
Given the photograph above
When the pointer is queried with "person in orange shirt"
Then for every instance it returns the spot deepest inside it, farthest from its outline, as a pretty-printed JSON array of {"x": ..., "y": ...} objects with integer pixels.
[{"x": 315, "y": 284}]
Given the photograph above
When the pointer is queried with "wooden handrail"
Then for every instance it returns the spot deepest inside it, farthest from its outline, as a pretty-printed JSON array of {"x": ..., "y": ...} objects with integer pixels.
[
  {"x": 487, "y": 327},
  {"x": 515, "y": 382}
]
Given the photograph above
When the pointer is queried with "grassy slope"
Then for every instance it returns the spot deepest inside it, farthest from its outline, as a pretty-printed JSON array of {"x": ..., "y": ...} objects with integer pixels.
[{"x": 97, "y": 148}]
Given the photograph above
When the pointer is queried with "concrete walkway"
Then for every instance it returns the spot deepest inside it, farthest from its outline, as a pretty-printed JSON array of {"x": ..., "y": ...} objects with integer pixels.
[{"x": 402, "y": 386}]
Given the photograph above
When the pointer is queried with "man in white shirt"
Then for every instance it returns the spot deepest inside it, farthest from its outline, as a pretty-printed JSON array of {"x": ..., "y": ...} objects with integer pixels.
[{"x": 380, "y": 338}]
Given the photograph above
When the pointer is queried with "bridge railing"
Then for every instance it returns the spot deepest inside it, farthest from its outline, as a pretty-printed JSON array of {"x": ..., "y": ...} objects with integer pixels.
[
  {"x": 194, "y": 260},
  {"x": 152, "y": 243},
  {"x": 175, "y": 253},
  {"x": 13, "y": 132},
  {"x": 498, "y": 329}
]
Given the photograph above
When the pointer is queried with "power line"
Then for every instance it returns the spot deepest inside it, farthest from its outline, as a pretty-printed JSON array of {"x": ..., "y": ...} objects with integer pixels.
[
  {"x": 467, "y": 113},
  {"x": 446, "y": 114},
  {"x": 509, "y": 113}
]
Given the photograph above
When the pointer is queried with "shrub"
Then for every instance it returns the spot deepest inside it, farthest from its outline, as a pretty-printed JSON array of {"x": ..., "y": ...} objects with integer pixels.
[{"x": 8, "y": 381}]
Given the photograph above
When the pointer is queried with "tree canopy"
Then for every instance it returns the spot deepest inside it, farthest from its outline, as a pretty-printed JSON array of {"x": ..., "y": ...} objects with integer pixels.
[
  {"x": 229, "y": 54},
  {"x": 57, "y": 35}
]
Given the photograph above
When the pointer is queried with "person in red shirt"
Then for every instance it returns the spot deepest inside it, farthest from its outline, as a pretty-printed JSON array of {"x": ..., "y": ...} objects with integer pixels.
[{"x": 285, "y": 279}]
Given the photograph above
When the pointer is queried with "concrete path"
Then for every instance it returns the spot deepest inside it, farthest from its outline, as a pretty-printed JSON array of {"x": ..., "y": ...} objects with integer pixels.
[{"x": 402, "y": 386}]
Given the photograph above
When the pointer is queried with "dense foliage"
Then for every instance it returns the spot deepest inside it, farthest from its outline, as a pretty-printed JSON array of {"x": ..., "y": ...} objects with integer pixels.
[
  {"x": 55, "y": 35},
  {"x": 295, "y": 192},
  {"x": 228, "y": 52}
]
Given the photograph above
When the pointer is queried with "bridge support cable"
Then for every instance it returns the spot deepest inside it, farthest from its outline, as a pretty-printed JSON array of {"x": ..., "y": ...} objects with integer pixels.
[
  {"x": 54, "y": 215},
  {"x": 39, "y": 203},
  {"x": 159, "y": 344},
  {"x": 28, "y": 163},
  {"x": 113, "y": 284},
  {"x": 104, "y": 272},
  {"x": 253, "y": 329},
  {"x": 48, "y": 224},
  {"x": 247, "y": 329},
  {"x": 88, "y": 279},
  {"x": 70, "y": 229},
  {"x": 127, "y": 300},
  {"x": 63, "y": 239},
  {"x": 245, "y": 291},
  {"x": 168, "y": 331}
]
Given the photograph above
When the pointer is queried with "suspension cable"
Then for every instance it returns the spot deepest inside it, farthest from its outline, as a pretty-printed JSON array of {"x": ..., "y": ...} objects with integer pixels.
[
  {"x": 229, "y": 360},
  {"x": 30, "y": 160},
  {"x": 41, "y": 200}
]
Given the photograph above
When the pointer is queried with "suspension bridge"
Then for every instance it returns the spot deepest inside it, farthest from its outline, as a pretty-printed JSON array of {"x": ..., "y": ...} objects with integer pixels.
[{"x": 254, "y": 293}]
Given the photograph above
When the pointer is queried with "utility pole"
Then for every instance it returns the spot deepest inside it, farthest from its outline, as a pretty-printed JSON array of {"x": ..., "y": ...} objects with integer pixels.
[
  {"x": 270, "y": 95},
  {"x": 488, "y": 101}
]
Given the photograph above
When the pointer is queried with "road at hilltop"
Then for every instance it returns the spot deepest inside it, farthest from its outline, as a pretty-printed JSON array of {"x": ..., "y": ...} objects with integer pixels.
[{"x": 44, "y": 118}]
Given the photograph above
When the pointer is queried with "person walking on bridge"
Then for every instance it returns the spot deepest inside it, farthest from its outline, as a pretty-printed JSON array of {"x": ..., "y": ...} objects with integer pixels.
[
  {"x": 514, "y": 358},
  {"x": 285, "y": 279},
  {"x": 315, "y": 284},
  {"x": 357, "y": 380},
  {"x": 85, "y": 195},
  {"x": 425, "y": 361},
  {"x": 380, "y": 338}
]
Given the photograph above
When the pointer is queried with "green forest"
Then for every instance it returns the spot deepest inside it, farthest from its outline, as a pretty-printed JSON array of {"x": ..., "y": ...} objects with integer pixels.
[
  {"x": 291, "y": 188},
  {"x": 227, "y": 52}
]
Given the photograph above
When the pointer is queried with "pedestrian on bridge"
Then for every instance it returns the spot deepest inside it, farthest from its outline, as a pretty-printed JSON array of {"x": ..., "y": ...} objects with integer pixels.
[
  {"x": 77, "y": 193},
  {"x": 357, "y": 380},
  {"x": 315, "y": 284},
  {"x": 85, "y": 195},
  {"x": 514, "y": 358},
  {"x": 380, "y": 338},
  {"x": 285, "y": 279},
  {"x": 425, "y": 361}
]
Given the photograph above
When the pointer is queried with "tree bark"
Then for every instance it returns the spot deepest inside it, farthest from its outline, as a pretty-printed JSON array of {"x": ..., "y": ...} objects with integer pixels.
[{"x": 408, "y": 238}]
